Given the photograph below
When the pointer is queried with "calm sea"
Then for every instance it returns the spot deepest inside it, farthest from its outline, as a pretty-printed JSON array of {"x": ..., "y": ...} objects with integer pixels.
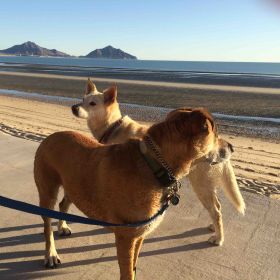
[{"x": 152, "y": 65}]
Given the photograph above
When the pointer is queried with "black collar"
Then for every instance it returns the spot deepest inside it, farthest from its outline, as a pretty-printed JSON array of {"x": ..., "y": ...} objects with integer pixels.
[
  {"x": 164, "y": 175},
  {"x": 106, "y": 135},
  {"x": 161, "y": 173}
]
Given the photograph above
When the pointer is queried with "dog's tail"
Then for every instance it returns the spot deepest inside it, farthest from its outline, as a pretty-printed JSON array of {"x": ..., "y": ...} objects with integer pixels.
[{"x": 231, "y": 188}]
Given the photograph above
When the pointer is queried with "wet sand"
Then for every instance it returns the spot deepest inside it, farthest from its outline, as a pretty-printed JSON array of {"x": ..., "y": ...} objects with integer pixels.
[{"x": 232, "y": 100}]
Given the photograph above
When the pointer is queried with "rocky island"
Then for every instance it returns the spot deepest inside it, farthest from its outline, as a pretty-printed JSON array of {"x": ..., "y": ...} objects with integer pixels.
[
  {"x": 110, "y": 52},
  {"x": 30, "y": 48}
]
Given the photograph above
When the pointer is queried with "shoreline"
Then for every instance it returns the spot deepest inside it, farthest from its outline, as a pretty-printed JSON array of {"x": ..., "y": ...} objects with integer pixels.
[
  {"x": 200, "y": 72},
  {"x": 224, "y": 100},
  {"x": 170, "y": 84}
]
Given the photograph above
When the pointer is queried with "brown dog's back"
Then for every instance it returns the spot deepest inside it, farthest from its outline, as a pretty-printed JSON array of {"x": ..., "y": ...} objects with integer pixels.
[{"x": 99, "y": 180}]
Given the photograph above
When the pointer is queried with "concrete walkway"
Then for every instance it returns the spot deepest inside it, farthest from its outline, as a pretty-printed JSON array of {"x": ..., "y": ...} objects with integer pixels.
[{"x": 178, "y": 249}]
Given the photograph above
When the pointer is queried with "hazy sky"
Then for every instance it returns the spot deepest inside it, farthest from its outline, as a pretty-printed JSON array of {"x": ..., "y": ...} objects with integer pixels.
[{"x": 217, "y": 30}]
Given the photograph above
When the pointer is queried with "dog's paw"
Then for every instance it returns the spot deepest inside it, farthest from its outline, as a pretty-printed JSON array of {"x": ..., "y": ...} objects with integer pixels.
[
  {"x": 64, "y": 229},
  {"x": 215, "y": 241},
  {"x": 52, "y": 259},
  {"x": 211, "y": 227}
]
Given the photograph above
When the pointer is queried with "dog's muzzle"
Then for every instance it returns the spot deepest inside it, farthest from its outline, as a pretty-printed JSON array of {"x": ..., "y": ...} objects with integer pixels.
[{"x": 223, "y": 154}]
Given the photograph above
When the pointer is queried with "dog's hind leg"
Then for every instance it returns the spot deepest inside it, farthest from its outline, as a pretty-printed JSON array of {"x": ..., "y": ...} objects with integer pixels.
[
  {"x": 216, "y": 215},
  {"x": 48, "y": 200},
  {"x": 63, "y": 228},
  {"x": 126, "y": 253},
  {"x": 47, "y": 182},
  {"x": 207, "y": 196}
]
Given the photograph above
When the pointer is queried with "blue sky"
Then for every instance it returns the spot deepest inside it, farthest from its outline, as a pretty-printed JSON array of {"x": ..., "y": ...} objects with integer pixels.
[{"x": 211, "y": 30}]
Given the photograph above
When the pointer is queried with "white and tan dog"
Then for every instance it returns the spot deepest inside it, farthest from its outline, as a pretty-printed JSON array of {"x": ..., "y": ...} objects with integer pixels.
[{"x": 104, "y": 119}]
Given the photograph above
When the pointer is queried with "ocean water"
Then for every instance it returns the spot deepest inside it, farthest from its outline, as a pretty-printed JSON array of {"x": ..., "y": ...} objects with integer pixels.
[{"x": 150, "y": 65}]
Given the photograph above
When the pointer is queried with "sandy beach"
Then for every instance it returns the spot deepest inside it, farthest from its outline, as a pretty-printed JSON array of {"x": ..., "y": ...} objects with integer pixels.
[
  {"x": 256, "y": 161},
  {"x": 257, "y": 156}
]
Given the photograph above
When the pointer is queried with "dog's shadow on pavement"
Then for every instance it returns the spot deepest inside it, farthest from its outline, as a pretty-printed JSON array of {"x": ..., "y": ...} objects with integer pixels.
[
  {"x": 39, "y": 237},
  {"x": 34, "y": 269}
]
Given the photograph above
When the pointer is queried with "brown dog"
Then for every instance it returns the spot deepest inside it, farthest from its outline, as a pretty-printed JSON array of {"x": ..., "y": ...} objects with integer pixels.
[
  {"x": 102, "y": 113},
  {"x": 114, "y": 183}
]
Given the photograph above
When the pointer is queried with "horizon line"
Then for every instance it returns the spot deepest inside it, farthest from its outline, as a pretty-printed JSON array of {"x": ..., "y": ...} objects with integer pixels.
[
  {"x": 137, "y": 58},
  {"x": 141, "y": 59}
]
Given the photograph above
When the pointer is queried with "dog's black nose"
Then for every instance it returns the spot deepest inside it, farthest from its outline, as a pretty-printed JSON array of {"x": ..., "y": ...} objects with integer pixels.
[
  {"x": 75, "y": 109},
  {"x": 222, "y": 153}
]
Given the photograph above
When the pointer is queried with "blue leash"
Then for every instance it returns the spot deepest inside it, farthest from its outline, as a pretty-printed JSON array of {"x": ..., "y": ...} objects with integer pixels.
[{"x": 36, "y": 210}]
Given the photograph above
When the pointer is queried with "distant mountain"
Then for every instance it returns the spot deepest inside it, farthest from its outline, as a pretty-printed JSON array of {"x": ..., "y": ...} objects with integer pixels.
[
  {"x": 110, "y": 52},
  {"x": 30, "y": 48}
]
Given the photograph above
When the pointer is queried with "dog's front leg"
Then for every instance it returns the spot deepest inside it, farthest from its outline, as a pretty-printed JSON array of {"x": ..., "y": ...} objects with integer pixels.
[
  {"x": 125, "y": 253},
  {"x": 51, "y": 257},
  {"x": 63, "y": 228}
]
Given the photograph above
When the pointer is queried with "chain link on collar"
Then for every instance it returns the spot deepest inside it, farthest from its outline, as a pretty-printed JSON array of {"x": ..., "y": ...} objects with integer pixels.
[
  {"x": 174, "y": 188},
  {"x": 156, "y": 149}
]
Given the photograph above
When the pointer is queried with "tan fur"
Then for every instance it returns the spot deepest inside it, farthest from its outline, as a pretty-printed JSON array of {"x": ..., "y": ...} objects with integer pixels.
[
  {"x": 204, "y": 178},
  {"x": 113, "y": 182}
]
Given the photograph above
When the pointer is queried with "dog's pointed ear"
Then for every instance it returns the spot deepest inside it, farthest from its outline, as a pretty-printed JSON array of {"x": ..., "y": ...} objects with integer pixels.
[
  {"x": 110, "y": 94},
  {"x": 90, "y": 87}
]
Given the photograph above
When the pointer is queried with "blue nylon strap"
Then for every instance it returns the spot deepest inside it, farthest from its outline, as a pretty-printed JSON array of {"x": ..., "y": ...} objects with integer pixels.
[{"x": 36, "y": 210}]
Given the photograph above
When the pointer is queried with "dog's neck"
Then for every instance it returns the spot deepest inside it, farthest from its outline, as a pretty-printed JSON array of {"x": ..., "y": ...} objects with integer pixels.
[
  {"x": 177, "y": 156},
  {"x": 180, "y": 159},
  {"x": 100, "y": 125},
  {"x": 176, "y": 160}
]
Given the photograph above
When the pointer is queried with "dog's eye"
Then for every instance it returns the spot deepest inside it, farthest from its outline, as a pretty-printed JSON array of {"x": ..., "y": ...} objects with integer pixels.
[{"x": 92, "y": 103}]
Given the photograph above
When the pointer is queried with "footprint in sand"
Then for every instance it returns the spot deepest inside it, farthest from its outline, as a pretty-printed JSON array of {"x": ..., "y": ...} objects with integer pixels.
[
  {"x": 273, "y": 174},
  {"x": 249, "y": 169}
]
